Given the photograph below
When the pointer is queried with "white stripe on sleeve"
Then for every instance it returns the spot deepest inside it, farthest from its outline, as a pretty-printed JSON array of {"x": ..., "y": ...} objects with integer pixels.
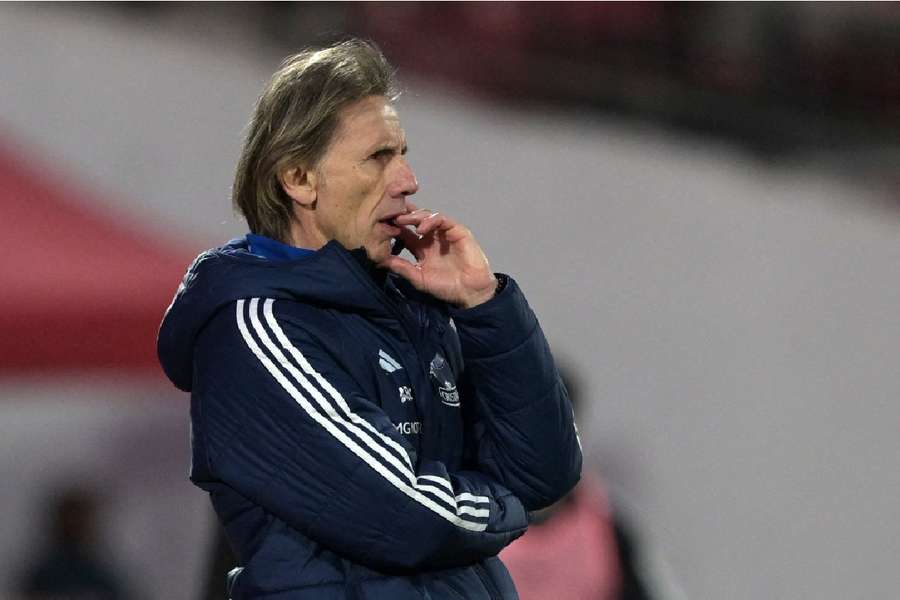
[
  {"x": 381, "y": 450},
  {"x": 467, "y": 497},
  {"x": 330, "y": 424},
  {"x": 297, "y": 355},
  {"x": 441, "y": 480},
  {"x": 326, "y": 385}
]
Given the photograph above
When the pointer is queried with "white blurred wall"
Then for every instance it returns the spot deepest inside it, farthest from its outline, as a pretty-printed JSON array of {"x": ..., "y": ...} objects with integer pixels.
[{"x": 734, "y": 323}]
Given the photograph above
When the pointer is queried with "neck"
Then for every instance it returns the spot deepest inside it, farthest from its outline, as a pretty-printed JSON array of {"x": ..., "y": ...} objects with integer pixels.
[{"x": 305, "y": 235}]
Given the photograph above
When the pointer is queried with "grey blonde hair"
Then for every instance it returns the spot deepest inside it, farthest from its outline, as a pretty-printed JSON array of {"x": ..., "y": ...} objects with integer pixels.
[{"x": 294, "y": 122}]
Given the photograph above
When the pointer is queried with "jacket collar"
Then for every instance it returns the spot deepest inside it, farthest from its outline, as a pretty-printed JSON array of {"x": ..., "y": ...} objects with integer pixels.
[{"x": 331, "y": 276}]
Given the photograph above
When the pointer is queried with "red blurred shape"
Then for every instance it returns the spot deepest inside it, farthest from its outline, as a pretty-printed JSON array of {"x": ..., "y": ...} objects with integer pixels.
[{"x": 78, "y": 290}]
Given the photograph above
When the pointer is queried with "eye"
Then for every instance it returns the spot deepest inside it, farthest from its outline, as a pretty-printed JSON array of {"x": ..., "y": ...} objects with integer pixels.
[{"x": 382, "y": 154}]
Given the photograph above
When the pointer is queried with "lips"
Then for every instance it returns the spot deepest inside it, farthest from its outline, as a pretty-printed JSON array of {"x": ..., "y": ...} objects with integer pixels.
[
  {"x": 389, "y": 218},
  {"x": 389, "y": 229},
  {"x": 390, "y": 222}
]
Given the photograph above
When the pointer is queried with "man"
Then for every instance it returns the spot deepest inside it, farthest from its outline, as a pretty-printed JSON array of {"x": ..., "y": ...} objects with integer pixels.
[{"x": 366, "y": 427}]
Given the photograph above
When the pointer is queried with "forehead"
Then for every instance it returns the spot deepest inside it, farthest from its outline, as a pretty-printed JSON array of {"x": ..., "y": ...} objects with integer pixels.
[{"x": 368, "y": 121}]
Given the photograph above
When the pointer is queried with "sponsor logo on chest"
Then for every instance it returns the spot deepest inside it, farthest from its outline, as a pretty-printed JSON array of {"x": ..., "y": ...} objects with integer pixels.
[{"x": 409, "y": 427}]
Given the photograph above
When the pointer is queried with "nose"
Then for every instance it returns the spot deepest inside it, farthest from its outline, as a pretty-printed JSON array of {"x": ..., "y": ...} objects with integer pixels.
[{"x": 403, "y": 181}]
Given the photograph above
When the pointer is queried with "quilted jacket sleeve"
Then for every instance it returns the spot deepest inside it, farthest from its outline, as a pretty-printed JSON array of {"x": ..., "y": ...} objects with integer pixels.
[
  {"x": 286, "y": 427},
  {"x": 522, "y": 422}
]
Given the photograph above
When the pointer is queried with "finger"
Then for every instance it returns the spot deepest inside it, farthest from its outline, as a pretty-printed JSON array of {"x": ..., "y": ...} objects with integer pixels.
[
  {"x": 427, "y": 222},
  {"x": 449, "y": 228},
  {"x": 415, "y": 217},
  {"x": 404, "y": 269},
  {"x": 434, "y": 222}
]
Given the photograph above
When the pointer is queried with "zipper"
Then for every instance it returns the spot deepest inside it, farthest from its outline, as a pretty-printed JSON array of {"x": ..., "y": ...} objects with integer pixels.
[
  {"x": 364, "y": 277},
  {"x": 393, "y": 309}
]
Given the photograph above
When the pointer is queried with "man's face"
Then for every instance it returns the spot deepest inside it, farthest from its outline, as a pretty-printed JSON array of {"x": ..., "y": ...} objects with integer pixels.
[{"x": 363, "y": 179}]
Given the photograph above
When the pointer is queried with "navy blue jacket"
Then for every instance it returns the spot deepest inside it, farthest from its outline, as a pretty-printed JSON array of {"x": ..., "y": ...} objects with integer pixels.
[{"x": 359, "y": 439}]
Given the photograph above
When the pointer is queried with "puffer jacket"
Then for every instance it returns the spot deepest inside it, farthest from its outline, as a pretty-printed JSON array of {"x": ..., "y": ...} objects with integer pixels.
[{"x": 359, "y": 439}]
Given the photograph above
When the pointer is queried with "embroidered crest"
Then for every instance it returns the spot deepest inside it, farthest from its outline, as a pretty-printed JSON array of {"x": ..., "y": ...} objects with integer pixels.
[{"x": 442, "y": 379}]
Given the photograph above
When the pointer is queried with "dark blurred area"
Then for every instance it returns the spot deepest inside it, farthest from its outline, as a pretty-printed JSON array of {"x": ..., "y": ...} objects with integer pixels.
[
  {"x": 775, "y": 77},
  {"x": 782, "y": 80},
  {"x": 73, "y": 565}
]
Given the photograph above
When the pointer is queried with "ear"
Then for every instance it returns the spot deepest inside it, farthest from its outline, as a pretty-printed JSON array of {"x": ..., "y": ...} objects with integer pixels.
[{"x": 300, "y": 184}]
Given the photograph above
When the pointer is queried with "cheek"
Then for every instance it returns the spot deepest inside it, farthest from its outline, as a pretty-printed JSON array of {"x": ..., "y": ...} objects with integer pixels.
[
  {"x": 353, "y": 201},
  {"x": 366, "y": 201}
]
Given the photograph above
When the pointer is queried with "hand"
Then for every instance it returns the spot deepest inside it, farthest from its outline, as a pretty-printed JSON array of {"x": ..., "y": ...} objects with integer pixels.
[{"x": 450, "y": 264}]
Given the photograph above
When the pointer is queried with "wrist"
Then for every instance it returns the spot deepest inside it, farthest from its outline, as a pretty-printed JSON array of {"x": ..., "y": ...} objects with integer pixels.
[{"x": 484, "y": 295}]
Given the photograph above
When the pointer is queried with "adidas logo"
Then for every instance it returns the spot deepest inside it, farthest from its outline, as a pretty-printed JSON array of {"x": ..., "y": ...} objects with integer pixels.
[{"x": 387, "y": 363}]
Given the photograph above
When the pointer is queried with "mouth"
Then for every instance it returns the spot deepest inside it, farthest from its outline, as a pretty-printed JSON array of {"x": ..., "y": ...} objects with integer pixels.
[
  {"x": 389, "y": 222},
  {"x": 389, "y": 227}
]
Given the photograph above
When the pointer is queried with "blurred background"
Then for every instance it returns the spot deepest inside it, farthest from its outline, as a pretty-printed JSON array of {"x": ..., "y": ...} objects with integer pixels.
[{"x": 701, "y": 201}]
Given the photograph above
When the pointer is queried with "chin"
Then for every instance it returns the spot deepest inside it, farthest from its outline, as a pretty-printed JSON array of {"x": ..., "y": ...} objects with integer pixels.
[{"x": 380, "y": 252}]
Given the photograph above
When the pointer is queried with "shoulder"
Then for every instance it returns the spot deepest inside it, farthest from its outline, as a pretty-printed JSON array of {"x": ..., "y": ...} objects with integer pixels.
[
  {"x": 258, "y": 318},
  {"x": 255, "y": 349}
]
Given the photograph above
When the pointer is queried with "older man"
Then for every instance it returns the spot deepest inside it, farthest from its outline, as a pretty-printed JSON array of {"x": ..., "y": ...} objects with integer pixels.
[{"x": 366, "y": 426}]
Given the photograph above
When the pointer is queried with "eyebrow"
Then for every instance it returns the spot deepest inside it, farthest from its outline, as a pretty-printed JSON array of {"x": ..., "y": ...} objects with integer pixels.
[{"x": 389, "y": 146}]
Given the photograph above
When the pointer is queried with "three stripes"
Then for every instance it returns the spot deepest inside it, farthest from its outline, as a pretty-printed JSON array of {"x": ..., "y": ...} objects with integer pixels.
[{"x": 326, "y": 406}]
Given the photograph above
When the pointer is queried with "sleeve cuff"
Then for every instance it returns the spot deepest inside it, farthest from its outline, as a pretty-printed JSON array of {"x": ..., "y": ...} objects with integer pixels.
[{"x": 496, "y": 326}]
